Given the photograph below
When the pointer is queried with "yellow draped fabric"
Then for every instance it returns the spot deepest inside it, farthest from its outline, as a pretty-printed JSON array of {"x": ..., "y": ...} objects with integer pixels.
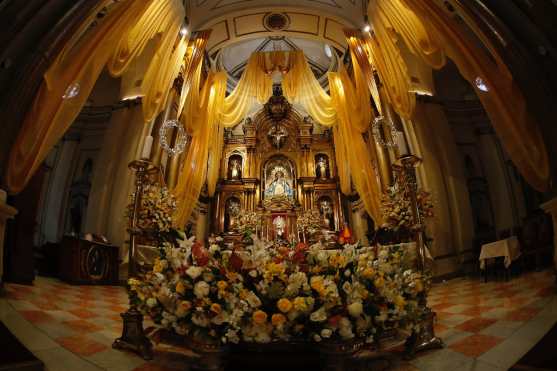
[
  {"x": 192, "y": 67},
  {"x": 207, "y": 111},
  {"x": 424, "y": 26},
  {"x": 114, "y": 42},
  {"x": 301, "y": 87},
  {"x": 201, "y": 118},
  {"x": 360, "y": 56},
  {"x": 348, "y": 134},
  {"x": 255, "y": 86},
  {"x": 158, "y": 17},
  {"x": 51, "y": 115}
]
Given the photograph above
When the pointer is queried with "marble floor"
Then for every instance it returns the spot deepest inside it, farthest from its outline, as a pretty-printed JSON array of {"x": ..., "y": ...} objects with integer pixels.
[{"x": 485, "y": 326}]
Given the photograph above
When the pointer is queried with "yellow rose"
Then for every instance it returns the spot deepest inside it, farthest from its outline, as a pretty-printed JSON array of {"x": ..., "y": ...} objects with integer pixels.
[
  {"x": 157, "y": 268},
  {"x": 216, "y": 308},
  {"x": 368, "y": 272},
  {"x": 284, "y": 305},
  {"x": 317, "y": 284},
  {"x": 222, "y": 285},
  {"x": 419, "y": 286},
  {"x": 399, "y": 301},
  {"x": 278, "y": 319},
  {"x": 259, "y": 317},
  {"x": 300, "y": 304},
  {"x": 379, "y": 282},
  {"x": 180, "y": 288}
]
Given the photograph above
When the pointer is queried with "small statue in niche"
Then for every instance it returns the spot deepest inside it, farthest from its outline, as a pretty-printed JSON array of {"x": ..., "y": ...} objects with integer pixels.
[
  {"x": 232, "y": 212},
  {"x": 327, "y": 212},
  {"x": 235, "y": 168},
  {"x": 322, "y": 167},
  {"x": 280, "y": 225}
]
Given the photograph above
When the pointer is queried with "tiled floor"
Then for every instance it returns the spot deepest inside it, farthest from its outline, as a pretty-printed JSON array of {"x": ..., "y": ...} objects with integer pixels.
[{"x": 486, "y": 326}]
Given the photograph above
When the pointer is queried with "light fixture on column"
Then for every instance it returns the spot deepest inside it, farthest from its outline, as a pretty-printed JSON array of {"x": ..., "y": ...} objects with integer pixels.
[
  {"x": 378, "y": 130},
  {"x": 181, "y": 138},
  {"x": 184, "y": 29},
  {"x": 367, "y": 26}
]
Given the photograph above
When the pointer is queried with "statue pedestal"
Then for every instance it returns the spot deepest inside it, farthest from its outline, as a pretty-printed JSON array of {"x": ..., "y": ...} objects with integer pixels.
[{"x": 6, "y": 212}]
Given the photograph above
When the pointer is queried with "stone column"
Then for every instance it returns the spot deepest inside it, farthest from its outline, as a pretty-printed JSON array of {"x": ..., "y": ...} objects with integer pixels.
[
  {"x": 6, "y": 212},
  {"x": 551, "y": 208}
]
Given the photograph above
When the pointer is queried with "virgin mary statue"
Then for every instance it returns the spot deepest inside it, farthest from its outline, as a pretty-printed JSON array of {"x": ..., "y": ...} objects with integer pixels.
[{"x": 279, "y": 187}]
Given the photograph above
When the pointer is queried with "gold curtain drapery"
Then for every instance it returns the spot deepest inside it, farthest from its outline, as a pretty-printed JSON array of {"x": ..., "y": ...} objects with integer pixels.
[
  {"x": 201, "y": 119},
  {"x": 207, "y": 111},
  {"x": 77, "y": 67},
  {"x": 301, "y": 87},
  {"x": 255, "y": 87},
  {"x": 114, "y": 42},
  {"x": 429, "y": 31}
]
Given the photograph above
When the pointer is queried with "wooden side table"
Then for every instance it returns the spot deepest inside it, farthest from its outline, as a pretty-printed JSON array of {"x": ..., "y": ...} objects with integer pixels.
[{"x": 84, "y": 262}]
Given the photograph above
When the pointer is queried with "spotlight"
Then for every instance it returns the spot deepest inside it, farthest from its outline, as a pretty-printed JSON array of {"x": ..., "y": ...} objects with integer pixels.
[
  {"x": 367, "y": 26},
  {"x": 184, "y": 29}
]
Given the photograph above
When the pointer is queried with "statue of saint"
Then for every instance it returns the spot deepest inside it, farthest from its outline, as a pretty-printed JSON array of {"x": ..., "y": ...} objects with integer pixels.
[
  {"x": 322, "y": 167},
  {"x": 327, "y": 212},
  {"x": 279, "y": 186},
  {"x": 235, "y": 169},
  {"x": 280, "y": 225}
]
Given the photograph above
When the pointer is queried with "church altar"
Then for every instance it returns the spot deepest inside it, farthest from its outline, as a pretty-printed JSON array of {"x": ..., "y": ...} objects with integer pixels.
[{"x": 280, "y": 166}]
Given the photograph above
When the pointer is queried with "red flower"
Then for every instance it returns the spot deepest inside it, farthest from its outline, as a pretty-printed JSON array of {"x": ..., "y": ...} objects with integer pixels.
[{"x": 200, "y": 254}]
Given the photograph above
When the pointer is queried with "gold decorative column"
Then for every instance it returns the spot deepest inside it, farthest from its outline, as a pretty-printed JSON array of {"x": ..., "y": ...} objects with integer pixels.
[{"x": 424, "y": 338}]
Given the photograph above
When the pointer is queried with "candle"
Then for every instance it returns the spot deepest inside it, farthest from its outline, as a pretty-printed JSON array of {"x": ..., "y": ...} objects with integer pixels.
[
  {"x": 146, "y": 154},
  {"x": 164, "y": 160}
]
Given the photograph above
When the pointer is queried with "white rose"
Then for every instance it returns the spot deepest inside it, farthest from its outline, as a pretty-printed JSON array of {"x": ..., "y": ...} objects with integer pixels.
[
  {"x": 194, "y": 271},
  {"x": 151, "y": 302},
  {"x": 214, "y": 248},
  {"x": 316, "y": 338},
  {"x": 319, "y": 315},
  {"x": 326, "y": 333},
  {"x": 201, "y": 289}
]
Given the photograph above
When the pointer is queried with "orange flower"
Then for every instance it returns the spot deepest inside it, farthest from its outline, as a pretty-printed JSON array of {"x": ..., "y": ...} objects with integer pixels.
[
  {"x": 278, "y": 319},
  {"x": 216, "y": 308},
  {"x": 222, "y": 285},
  {"x": 284, "y": 305},
  {"x": 259, "y": 317},
  {"x": 180, "y": 288}
]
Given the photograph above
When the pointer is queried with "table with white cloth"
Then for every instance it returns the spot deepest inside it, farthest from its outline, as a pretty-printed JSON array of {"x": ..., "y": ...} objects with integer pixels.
[{"x": 509, "y": 248}]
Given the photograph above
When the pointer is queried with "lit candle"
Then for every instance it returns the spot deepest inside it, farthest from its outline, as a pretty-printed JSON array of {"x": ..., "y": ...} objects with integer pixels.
[{"x": 146, "y": 154}]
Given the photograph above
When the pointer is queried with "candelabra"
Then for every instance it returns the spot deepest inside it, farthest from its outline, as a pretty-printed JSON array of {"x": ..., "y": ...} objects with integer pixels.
[
  {"x": 406, "y": 173},
  {"x": 133, "y": 337}
]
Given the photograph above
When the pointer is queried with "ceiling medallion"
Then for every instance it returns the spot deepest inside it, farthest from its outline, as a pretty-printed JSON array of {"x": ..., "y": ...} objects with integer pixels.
[
  {"x": 379, "y": 127},
  {"x": 181, "y": 138},
  {"x": 276, "y": 21}
]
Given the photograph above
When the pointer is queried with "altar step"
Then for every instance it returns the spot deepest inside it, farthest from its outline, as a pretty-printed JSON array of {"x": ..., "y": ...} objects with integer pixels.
[{"x": 14, "y": 356}]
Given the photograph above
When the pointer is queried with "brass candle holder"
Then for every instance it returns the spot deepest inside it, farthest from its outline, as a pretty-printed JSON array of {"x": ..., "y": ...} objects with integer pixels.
[
  {"x": 405, "y": 167},
  {"x": 133, "y": 337}
]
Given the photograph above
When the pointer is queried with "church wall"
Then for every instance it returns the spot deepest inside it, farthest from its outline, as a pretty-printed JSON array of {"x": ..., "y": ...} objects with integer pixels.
[{"x": 441, "y": 174}]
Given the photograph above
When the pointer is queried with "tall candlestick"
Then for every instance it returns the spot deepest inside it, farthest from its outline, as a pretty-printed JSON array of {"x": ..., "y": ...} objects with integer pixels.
[{"x": 146, "y": 154}]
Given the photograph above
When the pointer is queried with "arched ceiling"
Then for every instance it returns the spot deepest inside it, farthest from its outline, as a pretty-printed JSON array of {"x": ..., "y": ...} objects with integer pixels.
[{"x": 202, "y": 11}]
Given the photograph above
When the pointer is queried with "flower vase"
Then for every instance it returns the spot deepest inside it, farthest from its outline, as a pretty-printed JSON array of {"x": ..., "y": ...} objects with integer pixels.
[
  {"x": 211, "y": 353},
  {"x": 337, "y": 355}
]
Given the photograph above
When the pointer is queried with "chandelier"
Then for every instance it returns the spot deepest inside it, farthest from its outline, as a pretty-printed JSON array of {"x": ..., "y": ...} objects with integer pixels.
[
  {"x": 181, "y": 138},
  {"x": 377, "y": 129}
]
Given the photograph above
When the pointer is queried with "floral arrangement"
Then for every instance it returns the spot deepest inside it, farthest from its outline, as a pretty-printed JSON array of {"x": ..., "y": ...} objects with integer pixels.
[
  {"x": 247, "y": 223},
  {"x": 266, "y": 294},
  {"x": 310, "y": 221},
  {"x": 397, "y": 208},
  {"x": 155, "y": 214}
]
